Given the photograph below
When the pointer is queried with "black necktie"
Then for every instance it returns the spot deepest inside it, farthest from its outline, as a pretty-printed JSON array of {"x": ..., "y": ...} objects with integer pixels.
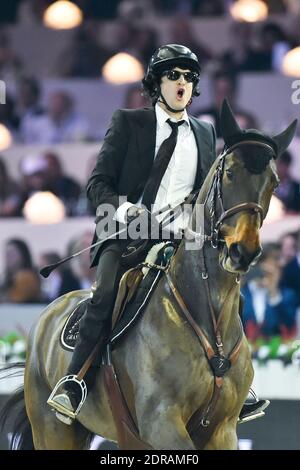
[{"x": 160, "y": 165}]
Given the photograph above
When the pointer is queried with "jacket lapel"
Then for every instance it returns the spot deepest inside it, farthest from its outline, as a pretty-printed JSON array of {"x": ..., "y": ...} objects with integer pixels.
[
  {"x": 196, "y": 130},
  {"x": 146, "y": 138}
]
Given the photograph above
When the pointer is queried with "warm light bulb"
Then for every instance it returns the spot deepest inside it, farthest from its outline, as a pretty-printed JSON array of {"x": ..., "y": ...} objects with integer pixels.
[
  {"x": 122, "y": 68},
  {"x": 275, "y": 212},
  {"x": 63, "y": 15},
  {"x": 44, "y": 208},
  {"x": 291, "y": 63},
  {"x": 249, "y": 10},
  {"x": 5, "y": 137}
]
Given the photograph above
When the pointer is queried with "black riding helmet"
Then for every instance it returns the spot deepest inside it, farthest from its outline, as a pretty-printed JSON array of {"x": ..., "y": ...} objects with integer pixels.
[
  {"x": 166, "y": 58},
  {"x": 173, "y": 55}
]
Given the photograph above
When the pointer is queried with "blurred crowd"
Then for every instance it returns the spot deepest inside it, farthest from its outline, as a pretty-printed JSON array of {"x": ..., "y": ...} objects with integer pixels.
[
  {"x": 272, "y": 289},
  {"x": 21, "y": 282},
  {"x": 138, "y": 8}
]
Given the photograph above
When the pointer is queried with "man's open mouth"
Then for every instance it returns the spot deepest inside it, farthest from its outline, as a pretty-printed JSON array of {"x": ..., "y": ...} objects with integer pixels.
[{"x": 180, "y": 93}]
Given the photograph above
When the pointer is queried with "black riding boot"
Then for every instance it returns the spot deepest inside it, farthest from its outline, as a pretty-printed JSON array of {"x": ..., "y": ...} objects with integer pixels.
[
  {"x": 94, "y": 328},
  {"x": 67, "y": 401}
]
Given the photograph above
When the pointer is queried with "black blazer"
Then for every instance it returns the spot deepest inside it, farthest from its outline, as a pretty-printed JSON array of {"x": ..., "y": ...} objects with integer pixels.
[{"x": 125, "y": 160}]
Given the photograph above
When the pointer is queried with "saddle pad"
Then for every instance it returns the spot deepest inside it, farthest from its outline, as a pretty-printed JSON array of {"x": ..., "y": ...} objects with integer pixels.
[{"x": 70, "y": 330}]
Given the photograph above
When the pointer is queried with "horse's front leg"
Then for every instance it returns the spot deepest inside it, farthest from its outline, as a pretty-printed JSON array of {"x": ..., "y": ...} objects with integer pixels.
[{"x": 162, "y": 427}]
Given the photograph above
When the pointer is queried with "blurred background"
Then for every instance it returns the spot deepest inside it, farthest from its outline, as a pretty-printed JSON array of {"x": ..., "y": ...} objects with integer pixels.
[{"x": 64, "y": 68}]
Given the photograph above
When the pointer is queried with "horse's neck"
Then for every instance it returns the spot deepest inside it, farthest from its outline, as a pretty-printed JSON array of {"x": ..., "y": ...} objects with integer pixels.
[{"x": 223, "y": 288}]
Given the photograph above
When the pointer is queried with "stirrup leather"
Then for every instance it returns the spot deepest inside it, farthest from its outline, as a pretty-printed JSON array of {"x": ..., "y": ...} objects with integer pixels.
[{"x": 59, "y": 408}]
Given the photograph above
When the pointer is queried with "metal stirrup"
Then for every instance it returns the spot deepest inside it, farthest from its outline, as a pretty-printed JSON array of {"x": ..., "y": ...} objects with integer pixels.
[{"x": 83, "y": 388}]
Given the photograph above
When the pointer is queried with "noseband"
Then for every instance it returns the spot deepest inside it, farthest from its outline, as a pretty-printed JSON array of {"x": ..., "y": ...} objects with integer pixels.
[{"x": 215, "y": 190}]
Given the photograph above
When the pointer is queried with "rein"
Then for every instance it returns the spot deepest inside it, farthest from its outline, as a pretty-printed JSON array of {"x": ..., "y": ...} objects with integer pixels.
[{"x": 216, "y": 190}]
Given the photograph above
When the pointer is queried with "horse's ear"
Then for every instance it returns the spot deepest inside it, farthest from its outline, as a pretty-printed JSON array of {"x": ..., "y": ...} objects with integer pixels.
[
  {"x": 228, "y": 124},
  {"x": 284, "y": 139}
]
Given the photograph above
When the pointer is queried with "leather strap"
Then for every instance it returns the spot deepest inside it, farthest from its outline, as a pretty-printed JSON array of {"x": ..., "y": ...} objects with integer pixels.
[{"x": 127, "y": 432}]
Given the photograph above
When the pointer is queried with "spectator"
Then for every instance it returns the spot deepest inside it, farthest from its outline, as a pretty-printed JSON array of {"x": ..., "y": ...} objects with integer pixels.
[
  {"x": 135, "y": 99},
  {"x": 135, "y": 11},
  {"x": 10, "y": 194},
  {"x": 288, "y": 190},
  {"x": 81, "y": 264},
  {"x": 28, "y": 104},
  {"x": 61, "y": 280},
  {"x": 84, "y": 205},
  {"x": 63, "y": 186},
  {"x": 272, "y": 48},
  {"x": 85, "y": 57},
  {"x": 137, "y": 40},
  {"x": 21, "y": 281},
  {"x": 9, "y": 118},
  {"x": 10, "y": 65},
  {"x": 241, "y": 55},
  {"x": 291, "y": 273},
  {"x": 60, "y": 124},
  {"x": 33, "y": 170},
  {"x": 144, "y": 43},
  {"x": 224, "y": 85},
  {"x": 181, "y": 32},
  {"x": 269, "y": 309},
  {"x": 288, "y": 248}
]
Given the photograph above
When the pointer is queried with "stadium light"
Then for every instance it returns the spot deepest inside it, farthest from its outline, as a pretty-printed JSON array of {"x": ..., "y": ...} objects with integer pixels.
[
  {"x": 5, "y": 137},
  {"x": 275, "y": 212},
  {"x": 122, "y": 68},
  {"x": 291, "y": 63},
  {"x": 44, "y": 207},
  {"x": 249, "y": 10},
  {"x": 63, "y": 15}
]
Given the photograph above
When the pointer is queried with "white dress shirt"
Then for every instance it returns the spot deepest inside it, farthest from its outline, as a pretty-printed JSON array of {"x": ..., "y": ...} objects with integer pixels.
[{"x": 178, "y": 180}]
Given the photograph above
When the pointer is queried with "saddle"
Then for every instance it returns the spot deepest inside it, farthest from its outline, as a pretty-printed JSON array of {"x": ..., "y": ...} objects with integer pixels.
[{"x": 135, "y": 289}]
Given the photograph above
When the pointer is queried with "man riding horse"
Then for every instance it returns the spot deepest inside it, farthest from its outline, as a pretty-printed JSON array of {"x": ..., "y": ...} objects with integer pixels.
[{"x": 153, "y": 156}]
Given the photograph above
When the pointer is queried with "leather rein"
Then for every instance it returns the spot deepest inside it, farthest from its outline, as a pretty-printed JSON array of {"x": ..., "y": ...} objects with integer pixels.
[{"x": 199, "y": 425}]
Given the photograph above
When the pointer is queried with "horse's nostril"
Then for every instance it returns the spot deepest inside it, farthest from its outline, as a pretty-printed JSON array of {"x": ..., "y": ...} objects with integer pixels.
[
  {"x": 240, "y": 255},
  {"x": 235, "y": 252}
]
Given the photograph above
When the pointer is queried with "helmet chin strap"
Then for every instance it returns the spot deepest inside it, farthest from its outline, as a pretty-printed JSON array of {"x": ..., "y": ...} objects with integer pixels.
[{"x": 169, "y": 107}]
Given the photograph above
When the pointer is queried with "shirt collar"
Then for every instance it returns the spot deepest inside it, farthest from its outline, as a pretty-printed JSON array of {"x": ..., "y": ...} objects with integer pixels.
[{"x": 162, "y": 116}]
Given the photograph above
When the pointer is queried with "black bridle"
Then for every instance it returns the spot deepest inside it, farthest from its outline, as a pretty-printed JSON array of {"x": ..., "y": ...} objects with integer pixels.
[{"x": 215, "y": 190}]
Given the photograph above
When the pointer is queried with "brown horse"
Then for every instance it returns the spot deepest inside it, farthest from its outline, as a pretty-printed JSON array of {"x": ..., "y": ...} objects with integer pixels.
[{"x": 185, "y": 367}]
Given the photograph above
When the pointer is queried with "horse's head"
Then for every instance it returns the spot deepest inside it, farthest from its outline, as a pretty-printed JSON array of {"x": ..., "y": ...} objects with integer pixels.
[{"x": 243, "y": 182}]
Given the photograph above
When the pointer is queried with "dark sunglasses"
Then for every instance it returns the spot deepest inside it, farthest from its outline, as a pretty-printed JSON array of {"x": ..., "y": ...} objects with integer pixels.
[{"x": 174, "y": 75}]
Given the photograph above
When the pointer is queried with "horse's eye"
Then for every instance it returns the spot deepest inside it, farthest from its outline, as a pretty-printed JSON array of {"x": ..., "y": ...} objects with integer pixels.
[{"x": 229, "y": 174}]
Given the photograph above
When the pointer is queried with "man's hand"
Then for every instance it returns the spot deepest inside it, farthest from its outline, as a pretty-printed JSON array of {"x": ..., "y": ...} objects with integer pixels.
[
  {"x": 133, "y": 212},
  {"x": 142, "y": 224}
]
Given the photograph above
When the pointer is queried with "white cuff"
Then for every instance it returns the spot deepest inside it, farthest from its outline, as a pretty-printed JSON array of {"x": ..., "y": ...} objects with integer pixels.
[{"x": 120, "y": 214}]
